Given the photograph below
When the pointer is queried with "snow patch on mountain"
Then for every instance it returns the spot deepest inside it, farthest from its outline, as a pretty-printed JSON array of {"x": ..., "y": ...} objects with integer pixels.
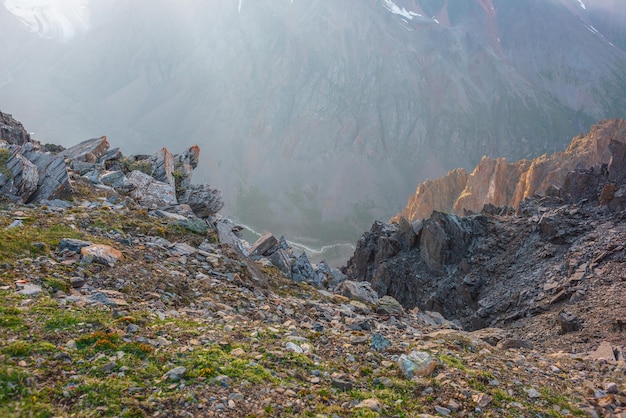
[
  {"x": 580, "y": 2},
  {"x": 401, "y": 11},
  {"x": 59, "y": 19}
]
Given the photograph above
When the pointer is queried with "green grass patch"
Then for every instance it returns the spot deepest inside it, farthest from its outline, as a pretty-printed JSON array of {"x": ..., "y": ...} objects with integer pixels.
[
  {"x": 12, "y": 384},
  {"x": 18, "y": 349},
  {"x": 19, "y": 242}
]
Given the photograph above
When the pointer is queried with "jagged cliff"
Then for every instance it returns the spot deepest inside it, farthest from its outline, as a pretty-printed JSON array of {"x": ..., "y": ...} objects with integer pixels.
[
  {"x": 539, "y": 236},
  {"x": 500, "y": 183}
]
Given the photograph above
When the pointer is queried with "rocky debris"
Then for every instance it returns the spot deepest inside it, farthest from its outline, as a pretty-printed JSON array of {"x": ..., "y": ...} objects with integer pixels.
[
  {"x": 500, "y": 183},
  {"x": 499, "y": 267},
  {"x": 177, "y": 300}
]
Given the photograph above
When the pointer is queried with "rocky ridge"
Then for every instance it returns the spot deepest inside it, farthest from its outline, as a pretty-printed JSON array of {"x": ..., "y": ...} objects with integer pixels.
[
  {"x": 497, "y": 182},
  {"x": 113, "y": 304}
]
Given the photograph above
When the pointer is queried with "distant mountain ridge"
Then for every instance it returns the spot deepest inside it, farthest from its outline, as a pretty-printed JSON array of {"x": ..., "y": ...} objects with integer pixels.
[{"x": 318, "y": 117}]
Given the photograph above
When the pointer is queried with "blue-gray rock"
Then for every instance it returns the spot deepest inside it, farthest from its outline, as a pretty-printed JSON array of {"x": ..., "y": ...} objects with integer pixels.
[
  {"x": 417, "y": 363},
  {"x": 114, "y": 179},
  {"x": 282, "y": 260},
  {"x": 175, "y": 374},
  {"x": 53, "y": 182},
  {"x": 31, "y": 290},
  {"x": 203, "y": 199},
  {"x": 151, "y": 193},
  {"x": 302, "y": 271},
  {"x": 88, "y": 151},
  {"x": 18, "y": 176},
  {"x": 71, "y": 244},
  {"x": 379, "y": 343}
]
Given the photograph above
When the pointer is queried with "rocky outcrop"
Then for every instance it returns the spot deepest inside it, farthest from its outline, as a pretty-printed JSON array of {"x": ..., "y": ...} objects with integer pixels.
[
  {"x": 501, "y": 265},
  {"x": 12, "y": 131},
  {"x": 499, "y": 183},
  {"x": 32, "y": 173}
]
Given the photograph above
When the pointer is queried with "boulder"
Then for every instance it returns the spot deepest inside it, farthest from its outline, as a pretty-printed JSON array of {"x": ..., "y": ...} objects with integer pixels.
[
  {"x": 101, "y": 254},
  {"x": 53, "y": 182},
  {"x": 114, "y": 179},
  {"x": 282, "y": 261},
  {"x": 150, "y": 192},
  {"x": 88, "y": 151},
  {"x": 264, "y": 246},
  {"x": 302, "y": 271},
  {"x": 18, "y": 176},
  {"x": 389, "y": 306},
  {"x": 204, "y": 200},
  {"x": 416, "y": 364},
  {"x": 358, "y": 291},
  {"x": 71, "y": 244}
]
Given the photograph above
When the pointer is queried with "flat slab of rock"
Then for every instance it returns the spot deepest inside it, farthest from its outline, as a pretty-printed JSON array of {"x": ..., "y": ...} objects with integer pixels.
[
  {"x": 264, "y": 245},
  {"x": 204, "y": 200},
  {"x": 417, "y": 363},
  {"x": 88, "y": 151},
  {"x": 71, "y": 244}
]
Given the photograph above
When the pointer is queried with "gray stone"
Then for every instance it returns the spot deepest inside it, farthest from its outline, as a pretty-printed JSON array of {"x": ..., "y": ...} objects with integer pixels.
[
  {"x": 379, "y": 343},
  {"x": 30, "y": 290},
  {"x": 114, "y": 179},
  {"x": 264, "y": 246},
  {"x": 19, "y": 177},
  {"x": 358, "y": 291},
  {"x": 568, "y": 323},
  {"x": 294, "y": 347},
  {"x": 203, "y": 199},
  {"x": 282, "y": 261},
  {"x": 341, "y": 384},
  {"x": 150, "y": 192},
  {"x": 181, "y": 248},
  {"x": 12, "y": 131},
  {"x": 417, "y": 363},
  {"x": 175, "y": 374},
  {"x": 71, "y": 244},
  {"x": 507, "y": 343},
  {"x": 77, "y": 282},
  {"x": 197, "y": 225},
  {"x": 58, "y": 203},
  {"x": 389, "y": 306},
  {"x": 302, "y": 271},
  {"x": 88, "y": 151},
  {"x": 53, "y": 181}
]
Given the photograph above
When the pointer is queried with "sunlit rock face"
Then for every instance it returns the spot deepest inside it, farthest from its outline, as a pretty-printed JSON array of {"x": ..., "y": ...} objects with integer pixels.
[
  {"x": 58, "y": 19},
  {"x": 318, "y": 116}
]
